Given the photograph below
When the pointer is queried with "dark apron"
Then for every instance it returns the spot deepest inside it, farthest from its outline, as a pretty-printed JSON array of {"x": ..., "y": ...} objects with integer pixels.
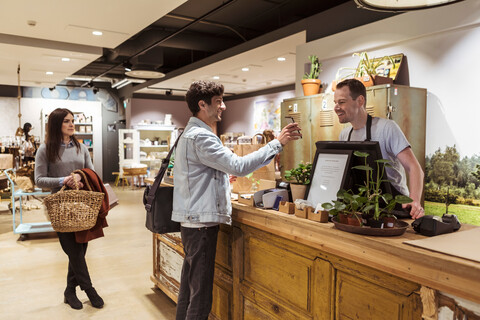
[{"x": 398, "y": 211}]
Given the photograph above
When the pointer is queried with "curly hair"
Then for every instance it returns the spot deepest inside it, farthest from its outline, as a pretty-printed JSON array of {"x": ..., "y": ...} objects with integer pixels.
[{"x": 202, "y": 90}]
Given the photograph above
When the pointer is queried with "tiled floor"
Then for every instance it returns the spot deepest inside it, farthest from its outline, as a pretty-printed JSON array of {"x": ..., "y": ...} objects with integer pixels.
[{"x": 33, "y": 272}]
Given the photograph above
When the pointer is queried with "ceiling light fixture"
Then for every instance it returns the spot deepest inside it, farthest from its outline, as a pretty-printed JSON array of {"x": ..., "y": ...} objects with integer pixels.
[
  {"x": 281, "y": 59},
  {"x": 49, "y": 73},
  {"x": 401, "y": 5},
  {"x": 245, "y": 69},
  {"x": 143, "y": 73},
  {"x": 216, "y": 77},
  {"x": 65, "y": 59},
  {"x": 120, "y": 84},
  {"x": 97, "y": 33}
]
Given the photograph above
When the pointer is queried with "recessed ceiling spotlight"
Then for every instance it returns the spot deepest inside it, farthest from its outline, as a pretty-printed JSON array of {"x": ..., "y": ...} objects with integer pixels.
[
  {"x": 65, "y": 59},
  {"x": 245, "y": 69},
  {"x": 281, "y": 59},
  {"x": 97, "y": 33},
  {"x": 216, "y": 77},
  {"x": 49, "y": 73}
]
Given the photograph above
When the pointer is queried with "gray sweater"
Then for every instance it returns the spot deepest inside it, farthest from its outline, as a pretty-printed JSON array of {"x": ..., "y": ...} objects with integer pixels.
[{"x": 51, "y": 175}]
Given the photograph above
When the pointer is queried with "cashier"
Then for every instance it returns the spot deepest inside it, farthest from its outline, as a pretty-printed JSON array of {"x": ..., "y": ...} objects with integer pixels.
[{"x": 350, "y": 105}]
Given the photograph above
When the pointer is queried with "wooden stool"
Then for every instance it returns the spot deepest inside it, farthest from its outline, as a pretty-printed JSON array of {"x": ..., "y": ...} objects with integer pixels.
[
  {"x": 134, "y": 172},
  {"x": 117, "y": 179}
]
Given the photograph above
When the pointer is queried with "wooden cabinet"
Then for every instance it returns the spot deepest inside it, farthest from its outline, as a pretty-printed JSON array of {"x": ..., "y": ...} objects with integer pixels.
[{"x": 281, "y": 279}]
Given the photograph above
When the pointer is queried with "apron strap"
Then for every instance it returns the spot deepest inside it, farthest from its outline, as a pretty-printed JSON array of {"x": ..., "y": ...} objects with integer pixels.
[{"x": 368, "y": 129}]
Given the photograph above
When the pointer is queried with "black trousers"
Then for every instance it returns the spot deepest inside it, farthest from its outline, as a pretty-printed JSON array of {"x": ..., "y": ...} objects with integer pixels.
[
  {"x": 77, "y": 265},
  {"x": 196, "y": 284}
]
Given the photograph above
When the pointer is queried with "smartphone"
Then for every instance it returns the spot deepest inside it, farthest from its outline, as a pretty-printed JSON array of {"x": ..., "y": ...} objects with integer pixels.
[{"x": 293, "y": 120}]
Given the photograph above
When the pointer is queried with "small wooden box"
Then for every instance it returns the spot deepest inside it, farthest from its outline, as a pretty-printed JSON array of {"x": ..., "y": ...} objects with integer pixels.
[
  {"x": 321, "y": 216},
  {"x": 303, "y": 213},
  {"x": 248, "y": 201},
  {"x": 286, "y": 207}
]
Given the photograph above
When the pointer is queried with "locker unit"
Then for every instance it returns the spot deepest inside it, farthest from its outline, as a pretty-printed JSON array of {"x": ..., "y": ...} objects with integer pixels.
[{"x": 405, "y": 105}]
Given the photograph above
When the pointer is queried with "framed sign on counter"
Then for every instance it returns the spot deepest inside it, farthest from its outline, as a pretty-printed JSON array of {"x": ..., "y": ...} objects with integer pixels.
[{"x": 329, "y": 173}]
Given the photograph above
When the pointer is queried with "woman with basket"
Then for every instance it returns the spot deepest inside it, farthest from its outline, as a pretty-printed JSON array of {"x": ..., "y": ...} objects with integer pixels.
[{"x": 55, "y": 163}]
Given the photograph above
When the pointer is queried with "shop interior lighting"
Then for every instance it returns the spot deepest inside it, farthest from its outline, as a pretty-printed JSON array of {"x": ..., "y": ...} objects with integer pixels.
[
  {"x": 245, "y": 69},
  {"x": 97, "y": 33},
  {"x": 216, "y": 77},
  {"x": 65, "y": 59},
  {"x": 401, "y": 5},
  {"x": 281, "y": 59},
  {"x": 49, "y": 73}
]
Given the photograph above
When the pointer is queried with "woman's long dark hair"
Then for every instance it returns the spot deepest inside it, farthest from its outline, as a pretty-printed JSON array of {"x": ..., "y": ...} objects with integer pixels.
[
  {"x": 54, "y": 136},
  {"x": 26, "y": 129}
]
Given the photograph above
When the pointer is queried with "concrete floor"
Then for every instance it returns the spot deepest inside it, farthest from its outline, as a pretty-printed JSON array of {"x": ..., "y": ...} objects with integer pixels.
[{"x": 33, "y": 272}]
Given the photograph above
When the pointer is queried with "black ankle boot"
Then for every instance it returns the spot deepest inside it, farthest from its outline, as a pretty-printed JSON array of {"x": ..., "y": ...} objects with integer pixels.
[
  {"x": 95, "y": 299},
  {"x": 71, "y": 298}
]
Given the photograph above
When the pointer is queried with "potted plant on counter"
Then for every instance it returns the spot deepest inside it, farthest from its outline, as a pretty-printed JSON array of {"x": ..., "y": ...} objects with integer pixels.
[
  {"x": 301, "y": 177},
  {"x": 310, "y": 82},
  {"x": 348, "y": 207},
  {"x": 377, "y": 204}
]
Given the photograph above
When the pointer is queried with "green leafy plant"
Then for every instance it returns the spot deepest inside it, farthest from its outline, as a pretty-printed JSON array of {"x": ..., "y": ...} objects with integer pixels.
[
  {"x": 315, "y": 66},
  {"x": 381, "y": 204},
  {"x": 301, "y": 174},
  {"x": 366, "y": 66}
]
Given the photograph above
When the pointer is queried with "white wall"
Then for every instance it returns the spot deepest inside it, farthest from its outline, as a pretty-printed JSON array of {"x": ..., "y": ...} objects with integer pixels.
[{"x": 442, "y": 46}]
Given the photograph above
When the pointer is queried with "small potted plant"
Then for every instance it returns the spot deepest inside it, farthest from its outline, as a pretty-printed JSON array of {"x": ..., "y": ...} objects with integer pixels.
[
  {"x": 301, "y": 177},
  {"x": 348, "y": 207},
  {"x": 368, "y": 70},
  {"x": 310, "y": 82},
  {"x": 377, "y": 203}
]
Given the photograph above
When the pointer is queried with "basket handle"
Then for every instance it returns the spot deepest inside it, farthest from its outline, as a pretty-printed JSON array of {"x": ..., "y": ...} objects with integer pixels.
[{"x": 80, "y": 172}]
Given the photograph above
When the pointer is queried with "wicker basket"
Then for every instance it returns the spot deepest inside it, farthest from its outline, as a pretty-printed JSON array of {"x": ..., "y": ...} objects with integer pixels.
[{"x": 74, "y": 210}]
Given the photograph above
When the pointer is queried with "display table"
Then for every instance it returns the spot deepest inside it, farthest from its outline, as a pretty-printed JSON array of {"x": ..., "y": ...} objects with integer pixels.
[{"x": 272, "y": 265}]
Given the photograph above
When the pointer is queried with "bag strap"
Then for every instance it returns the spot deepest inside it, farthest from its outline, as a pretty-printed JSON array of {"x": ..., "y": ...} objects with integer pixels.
[
  {"x": 254, "y": 139},
  {"x": 159, "y": 177}
]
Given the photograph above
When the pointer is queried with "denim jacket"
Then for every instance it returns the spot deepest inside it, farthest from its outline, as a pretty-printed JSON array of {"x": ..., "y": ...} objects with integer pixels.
[{"x": 202, "y": 164}]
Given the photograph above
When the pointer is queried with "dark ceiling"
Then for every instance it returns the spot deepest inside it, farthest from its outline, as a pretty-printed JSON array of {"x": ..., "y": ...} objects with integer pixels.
[{"x": 198, "y": 29}]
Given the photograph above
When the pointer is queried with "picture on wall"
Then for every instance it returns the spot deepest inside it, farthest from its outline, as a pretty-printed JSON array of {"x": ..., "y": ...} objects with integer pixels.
[{"x": 266, "y": 116}]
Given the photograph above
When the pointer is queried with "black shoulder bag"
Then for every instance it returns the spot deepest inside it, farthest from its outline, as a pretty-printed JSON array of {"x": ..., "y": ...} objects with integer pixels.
[{"x": 158, "y": 201}]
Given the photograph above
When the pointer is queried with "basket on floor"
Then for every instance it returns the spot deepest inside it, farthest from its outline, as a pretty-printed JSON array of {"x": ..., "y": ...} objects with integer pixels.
[{"x": 74, "y": 210}]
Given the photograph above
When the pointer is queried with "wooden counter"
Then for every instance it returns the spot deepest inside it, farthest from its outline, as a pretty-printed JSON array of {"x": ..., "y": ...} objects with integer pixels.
[{"x": 272, "y": 265}]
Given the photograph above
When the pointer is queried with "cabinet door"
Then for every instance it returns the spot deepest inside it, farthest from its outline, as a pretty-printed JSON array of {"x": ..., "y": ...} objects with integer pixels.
[{"x": 357, "y": 298}]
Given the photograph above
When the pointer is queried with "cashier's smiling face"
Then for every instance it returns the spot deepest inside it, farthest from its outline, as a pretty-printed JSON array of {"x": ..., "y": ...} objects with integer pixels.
[{"x": 346, "y": 108}]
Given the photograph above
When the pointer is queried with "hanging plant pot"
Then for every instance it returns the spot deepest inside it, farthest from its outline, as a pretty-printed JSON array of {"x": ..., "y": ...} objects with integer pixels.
[{"x": 311, "y": 86}]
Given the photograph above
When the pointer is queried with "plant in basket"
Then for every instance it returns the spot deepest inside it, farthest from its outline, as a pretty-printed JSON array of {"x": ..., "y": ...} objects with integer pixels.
[
  {"x": 377, "y": 204},
  {"x": 369, "y": 70},
  {"x": 301, "y": 177}
]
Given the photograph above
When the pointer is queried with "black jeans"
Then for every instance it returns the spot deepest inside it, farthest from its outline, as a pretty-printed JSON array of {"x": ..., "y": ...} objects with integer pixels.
[
  {"x": 77, "y": 265},
  {"x": 196, "y": 284}
]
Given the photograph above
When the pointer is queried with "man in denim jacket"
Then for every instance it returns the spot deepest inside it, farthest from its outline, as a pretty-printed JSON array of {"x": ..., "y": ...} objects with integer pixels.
[{"x": 201, "y": 198}]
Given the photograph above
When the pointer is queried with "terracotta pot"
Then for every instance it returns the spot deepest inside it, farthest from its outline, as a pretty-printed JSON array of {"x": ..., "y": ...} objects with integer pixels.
[
  {"x": 342, "y": 218},
  {"x": 311, "y": 86},
  {"x": 298, "y": 191},
  {"x": 389, "y": 222},
  {"x": 354, "y": 220}
]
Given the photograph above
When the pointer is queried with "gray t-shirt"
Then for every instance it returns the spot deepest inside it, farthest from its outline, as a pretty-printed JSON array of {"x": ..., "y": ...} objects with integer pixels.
[
  {"x": 392, "y": 141},
  {"x": 50, "y": 175}
]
